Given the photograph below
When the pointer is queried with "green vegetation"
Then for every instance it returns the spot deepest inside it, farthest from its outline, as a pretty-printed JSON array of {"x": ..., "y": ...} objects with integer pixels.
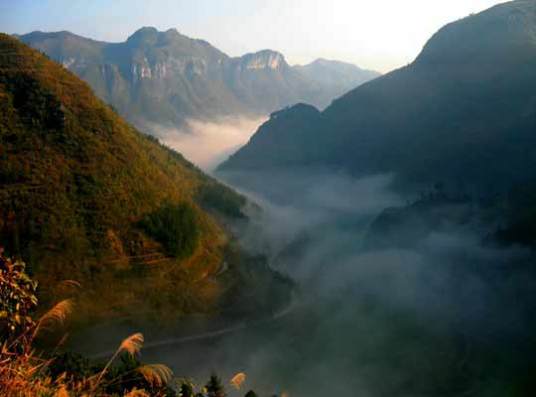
[
  {"x": 17, "y": 298},
  {"x": 214, "y": 387},
  {"x": 215, "y": 196},
  {"x": 175, "y": 227},
  {"x": 24, "y": 371},
  {"x": 86, "y": 197},
  {"x": 76, "y": 184}
]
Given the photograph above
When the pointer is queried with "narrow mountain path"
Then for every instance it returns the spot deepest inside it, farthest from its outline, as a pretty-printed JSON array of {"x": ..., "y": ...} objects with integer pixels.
[{"x": 243, "y": 325}]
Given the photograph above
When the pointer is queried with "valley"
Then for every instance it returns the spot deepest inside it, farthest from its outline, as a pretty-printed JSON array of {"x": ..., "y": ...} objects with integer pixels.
[{"x": 313, "y": 230}]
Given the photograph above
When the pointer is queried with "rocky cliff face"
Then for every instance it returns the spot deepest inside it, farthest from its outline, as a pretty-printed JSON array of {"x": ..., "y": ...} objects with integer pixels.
[
  {"x": 166, "y": 77},
  {"x": 266, "y": 59}
]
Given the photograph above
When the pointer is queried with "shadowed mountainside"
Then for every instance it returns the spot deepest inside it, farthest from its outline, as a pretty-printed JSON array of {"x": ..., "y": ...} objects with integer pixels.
[{"x": 464, "y": 113}]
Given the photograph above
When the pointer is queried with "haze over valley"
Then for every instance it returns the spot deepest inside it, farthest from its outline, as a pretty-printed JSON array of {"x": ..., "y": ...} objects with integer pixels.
[
  {"x": 169, "y": 85},
  {"x": 176, "y": 221}
]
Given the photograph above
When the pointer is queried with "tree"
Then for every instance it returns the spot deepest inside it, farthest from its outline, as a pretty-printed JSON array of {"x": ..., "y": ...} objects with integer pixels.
[
  {"x": 214, "y": 387},
  {"x": 175, "y": 227},
  {"x": 186, "y": 390}
]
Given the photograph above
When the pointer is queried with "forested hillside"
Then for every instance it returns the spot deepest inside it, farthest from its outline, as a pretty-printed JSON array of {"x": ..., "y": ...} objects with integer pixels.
[{"x": 85, "y": 197}]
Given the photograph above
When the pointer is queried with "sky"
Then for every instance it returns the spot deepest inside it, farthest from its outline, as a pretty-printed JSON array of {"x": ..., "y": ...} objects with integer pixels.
[{"x": 375, "y": 34}]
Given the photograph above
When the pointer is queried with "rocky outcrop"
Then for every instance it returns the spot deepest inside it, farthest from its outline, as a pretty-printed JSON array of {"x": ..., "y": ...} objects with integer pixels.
[{"x": 166, "y": 77}]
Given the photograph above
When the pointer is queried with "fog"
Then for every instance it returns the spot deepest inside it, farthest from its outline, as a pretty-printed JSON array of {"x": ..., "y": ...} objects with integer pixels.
[
  {"x": 208, "y": 143},
  {"x": 304, "y": 200},
  {"x": 442, "y": 312},
  {"x": 394, "y": 321}
]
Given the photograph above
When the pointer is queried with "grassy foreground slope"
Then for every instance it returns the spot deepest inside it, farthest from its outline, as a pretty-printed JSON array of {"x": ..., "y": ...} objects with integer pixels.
[{"x": 85, "y": 196}]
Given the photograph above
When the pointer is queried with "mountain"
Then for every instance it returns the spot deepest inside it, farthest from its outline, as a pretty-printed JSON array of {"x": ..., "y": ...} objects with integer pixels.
[
  {"x": 166, "y": 77},
  {"x": 86, "y": 197},
  {"x": 336, "y": 77},
  {"x": 152, "y": 77},
  {"x": 463, "y": 113}
]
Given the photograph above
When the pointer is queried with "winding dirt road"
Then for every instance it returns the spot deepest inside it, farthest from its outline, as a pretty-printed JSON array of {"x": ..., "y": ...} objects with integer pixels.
[{"x": 212, "y": 334}]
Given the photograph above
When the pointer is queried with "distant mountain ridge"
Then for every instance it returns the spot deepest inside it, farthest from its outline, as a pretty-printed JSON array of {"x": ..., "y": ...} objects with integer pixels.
[
  {"x": 336, "y": 74},
  {"x": 463, "y": 113},
  {"x": 166, "y": 77}
]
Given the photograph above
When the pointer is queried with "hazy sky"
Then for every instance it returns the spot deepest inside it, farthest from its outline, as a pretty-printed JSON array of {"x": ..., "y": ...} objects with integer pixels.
[{"x": 377, "y": 34}]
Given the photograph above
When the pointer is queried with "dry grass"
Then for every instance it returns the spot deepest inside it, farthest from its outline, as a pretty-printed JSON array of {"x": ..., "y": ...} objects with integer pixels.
[
  {"x": 238, "y": 380},
  {"x": 156, "y": 374},
  {"x": 23, "y": 371},
  {"x": 54, "y": 317},
  {"x": 19, "y": 375},
  {"x": 132, "y": 345},
  {"x": 137, "y": 393}
]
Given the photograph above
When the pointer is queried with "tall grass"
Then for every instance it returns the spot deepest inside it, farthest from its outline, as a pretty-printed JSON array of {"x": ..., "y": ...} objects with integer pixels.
[
  {"x": 28, "y": 372},
  {"x": 25, "y": 372}
]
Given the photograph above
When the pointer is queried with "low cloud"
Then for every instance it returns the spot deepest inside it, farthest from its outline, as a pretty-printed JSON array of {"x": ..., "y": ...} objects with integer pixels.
[
  {"x": 373, "y": 322},
  {"x": 208, "y": 143}
]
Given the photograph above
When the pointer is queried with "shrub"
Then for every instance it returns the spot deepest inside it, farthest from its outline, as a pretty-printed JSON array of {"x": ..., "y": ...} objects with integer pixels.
[
  {"x": 24, "y": 372},
  {"x": 175, "y": 227},
  {"x": 17, "y": 298},
  {"x": 222, "y": 199}
]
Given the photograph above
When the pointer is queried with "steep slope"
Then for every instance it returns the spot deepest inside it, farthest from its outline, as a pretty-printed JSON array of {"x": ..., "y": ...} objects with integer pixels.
[
  {"x": 463, "y": 113},
  {"x": 154, "y": 76},
  {"x": 166, "y": 77},
  {"x": 265, "y": 82},
  {"x": 271, "y": 141},
  {"x": 84, "y": 196}
]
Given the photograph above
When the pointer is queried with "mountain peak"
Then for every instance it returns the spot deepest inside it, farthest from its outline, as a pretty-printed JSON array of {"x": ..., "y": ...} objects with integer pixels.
[
  {"x": 467, "y": 101},
  {"x": 171, "y": 34},
  {"x": 303, "y": 109},
  {"x": 492, "y": 35},
  {"x": 323, "y": 61},
  {"x": 265, "y": 59},
  {"x": 61, "y": 35},
  {"x": 331, "y": 62},
  {"x": 150, "y": 36},
  {"x": 144, "y": 35},
  {"x": 146, "y": 30},
  {"x": 256, "y": 83}
]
